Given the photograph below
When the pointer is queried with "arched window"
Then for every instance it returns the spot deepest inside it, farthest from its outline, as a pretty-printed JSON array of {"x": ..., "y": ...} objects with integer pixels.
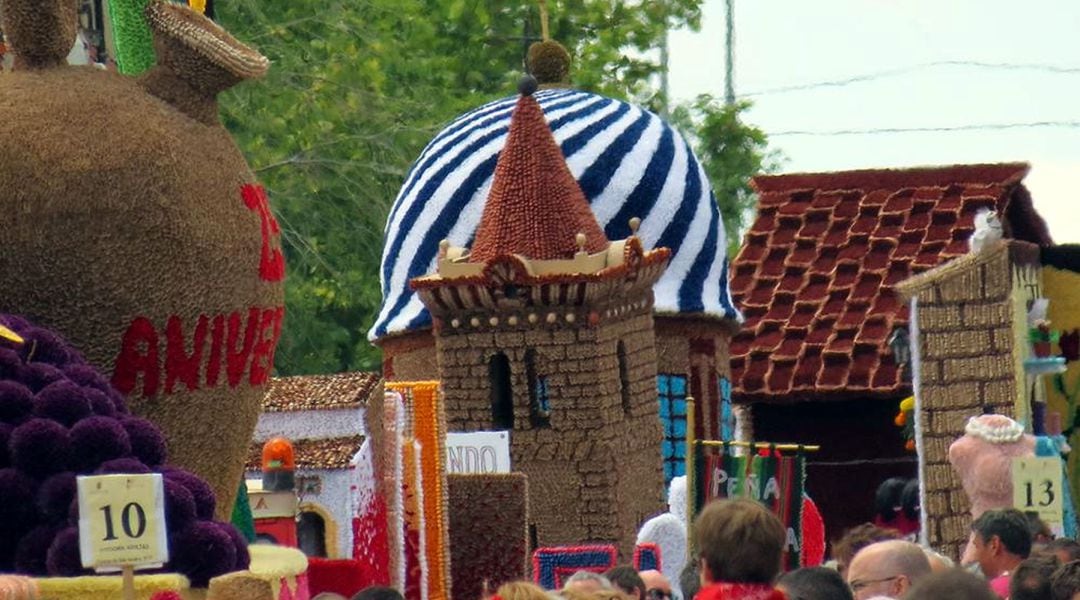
[
  {"x": 502, "y": 393},
  {"x": 539, "y": 403},
  {"x": 624, "y": 377},
  {"x": 311, "y": 534}
]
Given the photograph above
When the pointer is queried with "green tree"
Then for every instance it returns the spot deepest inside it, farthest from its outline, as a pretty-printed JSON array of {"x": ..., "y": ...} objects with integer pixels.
[
  {"x": 355, "y": 91},
  {"x": 730, "y": 151}
]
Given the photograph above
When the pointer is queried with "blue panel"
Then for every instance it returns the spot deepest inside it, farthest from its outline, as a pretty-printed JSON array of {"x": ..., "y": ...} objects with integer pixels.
[
  {"x": 678, "y": 407},
  {"x": 678, "y": 386},
  {"x": 678, "y": 428}
]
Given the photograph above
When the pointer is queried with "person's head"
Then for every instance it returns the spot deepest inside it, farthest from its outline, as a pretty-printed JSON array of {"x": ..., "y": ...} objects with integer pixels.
[
  {"x": 887, "y": 569},
  {"x": 657, "y": 586},
  {"x": 1065, "y": 582},
  {"x": 1066, "y": 550},
  {"x": 953, "y": 584},
  {"x": 1000, "y": 540},
  {"x": 690, "y": 580},
  {"x": 887, "y": 502},
  {"x": 1031, "y": 579},
  {"x": 909, "y": 499},
  {"x": 739, "y": 541},
  {"x": 938, "y": 561},
  {"x": 626, "y": 580},
  {"x": 814, "y": 583},
  {"x": 587, "y": 581},
  {"x": 328, "y": 596},
  {"x": 856, "y": 539},
  {"x": 521, "y": 590},
  {"x": 378, "y": 593},
  {"x": 1040, "y": 531}
]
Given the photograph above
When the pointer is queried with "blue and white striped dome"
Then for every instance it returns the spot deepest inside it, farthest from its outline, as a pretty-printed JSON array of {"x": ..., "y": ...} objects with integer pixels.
[{"x": 629, "y": 163}]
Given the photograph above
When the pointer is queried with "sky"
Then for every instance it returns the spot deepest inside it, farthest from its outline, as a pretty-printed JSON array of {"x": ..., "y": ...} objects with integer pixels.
[{"x": 1019, "y": 63}]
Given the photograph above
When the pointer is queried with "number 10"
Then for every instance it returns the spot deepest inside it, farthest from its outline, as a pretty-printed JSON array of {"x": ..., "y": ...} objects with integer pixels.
[{"x": 125, "y": 521}]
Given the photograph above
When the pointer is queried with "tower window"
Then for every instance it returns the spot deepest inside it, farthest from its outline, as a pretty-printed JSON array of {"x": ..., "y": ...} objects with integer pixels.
[
  {"x": 671, "y": 391},
  {"x": 624, "y": 377},
  {"x": 539, "y": 401},
  {"x": 727, "y": 412},
  {"x": 502, "y": 394}
]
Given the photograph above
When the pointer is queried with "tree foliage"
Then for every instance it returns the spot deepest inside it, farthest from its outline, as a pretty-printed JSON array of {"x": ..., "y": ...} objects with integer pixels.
[{"x": 358, "y": 87}]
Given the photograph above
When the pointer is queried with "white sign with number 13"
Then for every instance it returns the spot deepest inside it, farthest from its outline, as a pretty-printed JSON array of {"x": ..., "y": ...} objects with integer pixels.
[
  {"x": 122, "y": 522},
  {"x": 1037, "y": 487}
]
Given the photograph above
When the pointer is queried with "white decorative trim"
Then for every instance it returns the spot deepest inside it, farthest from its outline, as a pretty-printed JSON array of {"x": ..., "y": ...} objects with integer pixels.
[
  {"x": 421, "y": 520},
  {"x": 996, "y": 429},
  {"x": 920, "y": 444}
]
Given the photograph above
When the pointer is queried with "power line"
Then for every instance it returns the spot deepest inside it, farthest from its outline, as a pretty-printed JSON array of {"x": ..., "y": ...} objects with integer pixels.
[
  {"x": 898, "y": 71},
  {"x": 946, "y": 128}
]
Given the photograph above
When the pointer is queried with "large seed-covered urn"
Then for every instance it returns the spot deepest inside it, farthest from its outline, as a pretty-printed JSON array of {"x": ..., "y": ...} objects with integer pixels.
[{"x": 130, "y": 223}]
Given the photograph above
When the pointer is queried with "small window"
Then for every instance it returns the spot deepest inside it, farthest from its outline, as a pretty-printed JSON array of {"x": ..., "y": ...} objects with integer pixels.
[
  {"x": 727, "y": 412},
  {"x": 671, "y": 391},
  {"x": 502, "y": 394},
  {"x": 624, "y": 377},
  {"x": 539, "y": 401}
]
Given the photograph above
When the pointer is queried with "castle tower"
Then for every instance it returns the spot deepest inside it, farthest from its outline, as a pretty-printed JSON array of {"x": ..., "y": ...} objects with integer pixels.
[{"x": 545, "y": 328}]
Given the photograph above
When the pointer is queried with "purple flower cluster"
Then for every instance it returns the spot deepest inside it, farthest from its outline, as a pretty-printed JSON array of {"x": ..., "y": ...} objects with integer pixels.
[{"x": 59, "y": 418}]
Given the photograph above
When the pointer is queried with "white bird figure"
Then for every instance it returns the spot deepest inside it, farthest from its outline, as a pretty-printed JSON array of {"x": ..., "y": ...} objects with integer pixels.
[{"x": 987, "y": 231}]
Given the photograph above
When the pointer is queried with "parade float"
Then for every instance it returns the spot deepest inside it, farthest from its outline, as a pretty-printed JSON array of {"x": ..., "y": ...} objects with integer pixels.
[{"x": 148, "y": 284}]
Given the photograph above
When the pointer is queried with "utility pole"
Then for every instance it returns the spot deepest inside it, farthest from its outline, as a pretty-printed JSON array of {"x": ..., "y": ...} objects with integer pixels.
[{"x": 729, "y": 58}]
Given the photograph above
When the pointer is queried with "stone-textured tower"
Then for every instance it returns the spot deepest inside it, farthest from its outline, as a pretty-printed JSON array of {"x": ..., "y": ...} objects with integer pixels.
[{"x": 545, "y": 328}]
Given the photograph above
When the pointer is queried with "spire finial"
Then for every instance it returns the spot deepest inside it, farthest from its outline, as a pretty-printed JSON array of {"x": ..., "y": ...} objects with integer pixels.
[
  {"x": 527, "y": 86},
  {"x": 581, "y": 240},
  {"x": 635, "y": 223}
]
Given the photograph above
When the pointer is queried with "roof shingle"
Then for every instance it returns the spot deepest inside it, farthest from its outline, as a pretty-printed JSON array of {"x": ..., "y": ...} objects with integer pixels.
[
  {"x": 330, "y": 453},
  {"x": 816, "y": 273},
  {"x": 320, "y": 392}
]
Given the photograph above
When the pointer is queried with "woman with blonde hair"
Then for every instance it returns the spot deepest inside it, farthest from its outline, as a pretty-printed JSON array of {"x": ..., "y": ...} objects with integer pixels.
[{"x": 521, "y": 590}]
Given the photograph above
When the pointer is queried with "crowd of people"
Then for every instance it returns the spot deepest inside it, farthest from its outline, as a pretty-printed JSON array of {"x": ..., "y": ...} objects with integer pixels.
[{"x": 740, "y": 545}]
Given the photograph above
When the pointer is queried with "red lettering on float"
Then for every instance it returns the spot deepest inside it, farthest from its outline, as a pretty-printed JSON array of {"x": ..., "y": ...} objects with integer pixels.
[
  {"x": 269, "y": 331},
  {"x": 236, "y": 360},
  {"x": 252, "y": 355},
  {"x": 179, "y": 365},
  {"x": 217, "y": 338},
  {"x": 271, "y": 260},
  {"x": 138, "y": 356}
]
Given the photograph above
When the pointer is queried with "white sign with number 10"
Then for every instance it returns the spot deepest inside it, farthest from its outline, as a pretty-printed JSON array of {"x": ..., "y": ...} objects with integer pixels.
[{"x": 122, "y": 522}]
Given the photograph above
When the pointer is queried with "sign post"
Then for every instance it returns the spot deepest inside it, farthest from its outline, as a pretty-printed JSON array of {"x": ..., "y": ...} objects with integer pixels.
[{"x": 122, "y": 525}]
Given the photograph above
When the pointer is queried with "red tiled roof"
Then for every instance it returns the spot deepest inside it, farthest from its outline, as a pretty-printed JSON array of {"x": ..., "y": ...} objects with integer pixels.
[
  {"x": 816, "y": 271},
  {"x": 319, "y": 392},
  {"x": 536, "y": 208},
  {"x": 329, "y": 453}
]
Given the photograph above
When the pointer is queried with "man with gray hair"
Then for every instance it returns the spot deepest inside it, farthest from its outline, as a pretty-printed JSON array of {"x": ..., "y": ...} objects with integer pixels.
[
  {"x": 587, "y": 582},
  {"x": 886, "y": 569}
]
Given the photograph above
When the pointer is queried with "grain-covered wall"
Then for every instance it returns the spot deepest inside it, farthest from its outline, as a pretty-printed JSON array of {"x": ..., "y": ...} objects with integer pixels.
[{"x": 966, "y": 318}]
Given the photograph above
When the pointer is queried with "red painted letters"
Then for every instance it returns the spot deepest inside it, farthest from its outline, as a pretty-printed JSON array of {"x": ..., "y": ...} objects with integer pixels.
[
  {"x": 243, "y": 340},
  {"x": 271, "y": 261}
]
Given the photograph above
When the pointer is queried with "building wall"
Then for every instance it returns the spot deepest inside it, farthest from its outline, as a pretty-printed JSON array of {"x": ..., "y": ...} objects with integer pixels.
[
  {"x": 594, "y": 473},
  {"x": 410, "y": 357},
  {"x": 333, "y": 499},
  {"x": 966, "y": 329}
]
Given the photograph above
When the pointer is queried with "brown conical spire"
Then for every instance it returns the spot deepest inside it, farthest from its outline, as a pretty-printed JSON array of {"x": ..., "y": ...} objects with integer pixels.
[
  {"x": 536, "y": 208},
  {"x": 40, "y": 32}
]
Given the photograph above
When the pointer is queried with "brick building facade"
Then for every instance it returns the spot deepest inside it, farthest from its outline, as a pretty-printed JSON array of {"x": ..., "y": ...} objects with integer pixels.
[{"x": 969, "y": 319}]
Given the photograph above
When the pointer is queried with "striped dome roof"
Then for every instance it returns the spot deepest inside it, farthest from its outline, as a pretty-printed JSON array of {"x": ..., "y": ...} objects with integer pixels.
[{"x": 629, "y": 162}]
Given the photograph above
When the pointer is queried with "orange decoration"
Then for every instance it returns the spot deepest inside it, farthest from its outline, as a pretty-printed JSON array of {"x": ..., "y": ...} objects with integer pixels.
[
  {"x": 429, "y": 428},
  {"x": 278, "y": 455},
  {"x": 910, "y": 445},
  {"x": 900, "y": 420}
]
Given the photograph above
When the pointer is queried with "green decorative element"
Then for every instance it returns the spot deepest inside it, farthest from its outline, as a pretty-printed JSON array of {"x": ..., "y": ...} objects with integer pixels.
[
  {"x": 242, "y": 518},
  {"x": 1043, "y": 334},
  {"x": 134, "y": 42}
]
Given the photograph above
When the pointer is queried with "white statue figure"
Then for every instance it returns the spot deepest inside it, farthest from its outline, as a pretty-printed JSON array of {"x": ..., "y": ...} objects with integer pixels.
[{"x": 987, "y": 230}]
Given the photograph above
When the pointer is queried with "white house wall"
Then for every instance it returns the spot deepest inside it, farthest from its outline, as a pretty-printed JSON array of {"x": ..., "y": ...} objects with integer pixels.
[{"x": 310, "y": 424}]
